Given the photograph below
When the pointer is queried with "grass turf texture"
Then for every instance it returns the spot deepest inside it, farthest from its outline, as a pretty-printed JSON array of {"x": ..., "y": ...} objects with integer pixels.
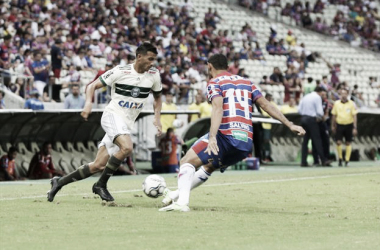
[{"x": 274, "y": 208}]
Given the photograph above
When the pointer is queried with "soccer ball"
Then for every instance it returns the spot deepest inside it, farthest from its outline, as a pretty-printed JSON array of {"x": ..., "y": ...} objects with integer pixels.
[
  {"x": 154, "y": 186},
  {"x": 177, "y": 123}
]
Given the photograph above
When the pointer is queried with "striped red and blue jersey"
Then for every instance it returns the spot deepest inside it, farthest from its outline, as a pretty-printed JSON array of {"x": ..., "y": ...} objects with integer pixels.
[{"x": 238, "y": 94}]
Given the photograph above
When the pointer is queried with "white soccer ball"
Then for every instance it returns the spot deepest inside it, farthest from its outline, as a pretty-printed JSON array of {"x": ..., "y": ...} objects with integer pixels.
[
  {"x": 177, "y": 123},
  {"x": 154, "y": 186}
]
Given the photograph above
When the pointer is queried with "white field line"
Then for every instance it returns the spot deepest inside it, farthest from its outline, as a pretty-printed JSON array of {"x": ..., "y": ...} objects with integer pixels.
[{"x": 207, "y": 185}]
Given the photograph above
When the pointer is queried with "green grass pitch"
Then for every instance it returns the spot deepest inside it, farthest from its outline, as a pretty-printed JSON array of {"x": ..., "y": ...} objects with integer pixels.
[{"x": 277, "y": 207}]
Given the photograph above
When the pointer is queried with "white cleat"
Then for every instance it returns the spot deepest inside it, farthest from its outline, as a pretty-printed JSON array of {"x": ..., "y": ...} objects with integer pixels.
[
  {"x": 167, "y": 200},
  {"x": 175, "y": 207}
]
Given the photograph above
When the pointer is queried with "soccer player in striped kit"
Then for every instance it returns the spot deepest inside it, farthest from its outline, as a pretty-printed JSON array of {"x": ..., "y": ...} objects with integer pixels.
[{"x": 230, "y": 137}]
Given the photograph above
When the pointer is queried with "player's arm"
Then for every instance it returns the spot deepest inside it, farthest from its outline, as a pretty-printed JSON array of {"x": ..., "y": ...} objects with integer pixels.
[
  {"x": 157, "y": 106},
  {"x": 90, "y": 90},
  {"x": 276, "y": 114},
  {"x": 216, "y": 119}
]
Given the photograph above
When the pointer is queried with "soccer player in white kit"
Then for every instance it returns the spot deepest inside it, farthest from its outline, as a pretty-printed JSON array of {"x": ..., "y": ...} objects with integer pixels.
[{"x": 130, "y": 87}]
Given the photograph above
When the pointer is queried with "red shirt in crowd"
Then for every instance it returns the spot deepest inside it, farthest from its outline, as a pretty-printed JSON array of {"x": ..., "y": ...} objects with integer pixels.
[
  {"x": 8, "y": 165},
  {"x": 169, "y": 150},
  {"x": 40, "y": 166}
]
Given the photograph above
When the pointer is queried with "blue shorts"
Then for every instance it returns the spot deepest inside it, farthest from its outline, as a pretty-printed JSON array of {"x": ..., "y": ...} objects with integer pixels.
[{"x": 228, "y": 153}]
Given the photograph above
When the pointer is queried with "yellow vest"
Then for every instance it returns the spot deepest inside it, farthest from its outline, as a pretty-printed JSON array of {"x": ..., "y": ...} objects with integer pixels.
[
  {"x": 206, "y": 109},
  {"x": 167, "y": 120},
  {"x": 286, "y": 109},
  {"x": 267, "y": 125},
  {"x": 195, "y": 107},
  {"x": 344, "y": 112}
]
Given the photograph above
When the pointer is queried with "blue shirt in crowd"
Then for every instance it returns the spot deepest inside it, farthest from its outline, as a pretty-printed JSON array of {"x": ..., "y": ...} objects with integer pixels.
[{"x": 33, "y": 103}]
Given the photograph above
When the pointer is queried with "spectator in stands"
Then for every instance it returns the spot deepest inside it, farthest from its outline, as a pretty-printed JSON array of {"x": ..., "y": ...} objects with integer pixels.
[
  {"x": 52, "y": 90},
  {"x": 271, "y": 46},
  {"x": 74, "y": 100},
  {"x": 168, "y": 144},
  {"x": 286, "y": 11},
  {"x": 280, "y": 48},
  {"x": 8, "y": 170},
  {"x": 264, "y": 81},
  {"x": 196, "y": 106},
  {"x": 73, "y": 76},
  {"x": 258, "y": 53},
  {"x": 5, "y": 62},
  {"x": 318, "y": 7},
  {"x": 289, "y": 108},
  {"x": 335, "y": 72},
  {"x": 56, "y": 58},
  {"x": 325, "y": 83},
  {"x": 242, "y": 73},
  {"x": 168, "y": 105},
  {"x": 311, "y": 111},
  {"x": 293, "y": 88},
  {"x": 234, "y": 68},
  {"x": 344, "y": 124},
  {"x": 309, "y": 86},
  {"x": 40, "y": 69},
  {"x": 167, "y": 81},
  {"x": 33, "y": 102},
  {"x": 290, "y": 39},
  {"x": 2, "y": 104},
  {"x": 276, "y": 78},
  {"x": 373, "y": 82},
  {"x": 306, "y": 20},
  {"x": 41, "y": 166}
]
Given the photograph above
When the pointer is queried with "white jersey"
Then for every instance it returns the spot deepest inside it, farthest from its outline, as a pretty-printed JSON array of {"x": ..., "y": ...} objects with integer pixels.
[{"x": 129, "y": 90}]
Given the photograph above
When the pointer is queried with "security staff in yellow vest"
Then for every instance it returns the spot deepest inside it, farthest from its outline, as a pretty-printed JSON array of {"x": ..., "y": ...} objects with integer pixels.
[{"x": 344, "y": 124}]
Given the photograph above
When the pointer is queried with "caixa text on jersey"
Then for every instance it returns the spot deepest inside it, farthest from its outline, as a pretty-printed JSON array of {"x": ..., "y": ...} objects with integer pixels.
[{"x": 131, "y": 105}]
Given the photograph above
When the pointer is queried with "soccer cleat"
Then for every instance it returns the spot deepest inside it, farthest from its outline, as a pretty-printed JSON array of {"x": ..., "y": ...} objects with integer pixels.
[
  {"x": 167, "y": 200},
  {"x": 346, "y": 164},
  {"x": 54, "y": 188},
  {"x": 340, "y": 162},
  {"x": 175, "y": 207},
  {"x": 102, "y": 192}
]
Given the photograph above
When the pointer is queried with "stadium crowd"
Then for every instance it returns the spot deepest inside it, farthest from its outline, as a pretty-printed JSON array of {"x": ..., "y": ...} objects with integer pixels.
[
  {"x": 353, "y": 23},
  {"x": 45, "y": 43}
]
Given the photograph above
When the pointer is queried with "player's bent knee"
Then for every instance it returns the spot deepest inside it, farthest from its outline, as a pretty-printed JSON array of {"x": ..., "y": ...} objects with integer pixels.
[{"x": 126, "y": 150}]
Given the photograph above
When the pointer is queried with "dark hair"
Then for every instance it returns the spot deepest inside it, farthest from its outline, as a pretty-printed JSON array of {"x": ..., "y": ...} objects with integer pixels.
[
  {"x": 218, "y": 61},
  {"x": 11, "y": 150},
  {"x": 144, "y": 48},
  {"x": 310, "y": 79},
  {"x": 7, "y": 37},
  {"x": 168, "y": 131},
  {"x": 319, "y": 89}
]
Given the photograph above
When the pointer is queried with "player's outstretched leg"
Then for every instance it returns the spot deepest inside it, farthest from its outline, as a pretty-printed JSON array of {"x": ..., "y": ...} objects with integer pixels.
[
  {"x": 200, "y": 177},
  {"x": 58, "y": 182},
  {"x": 81, "y": 173}
]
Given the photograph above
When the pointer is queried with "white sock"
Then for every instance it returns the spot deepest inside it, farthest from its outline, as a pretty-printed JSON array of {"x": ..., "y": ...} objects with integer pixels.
[
  {"x": 185, "y": 178},
  {"x": 200, "y": 177}
]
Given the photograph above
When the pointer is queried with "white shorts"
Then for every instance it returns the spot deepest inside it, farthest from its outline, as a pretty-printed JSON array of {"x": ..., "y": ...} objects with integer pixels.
[
  {"x": 114, "y": 126},
  {"x": 111, "y": 148}
]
